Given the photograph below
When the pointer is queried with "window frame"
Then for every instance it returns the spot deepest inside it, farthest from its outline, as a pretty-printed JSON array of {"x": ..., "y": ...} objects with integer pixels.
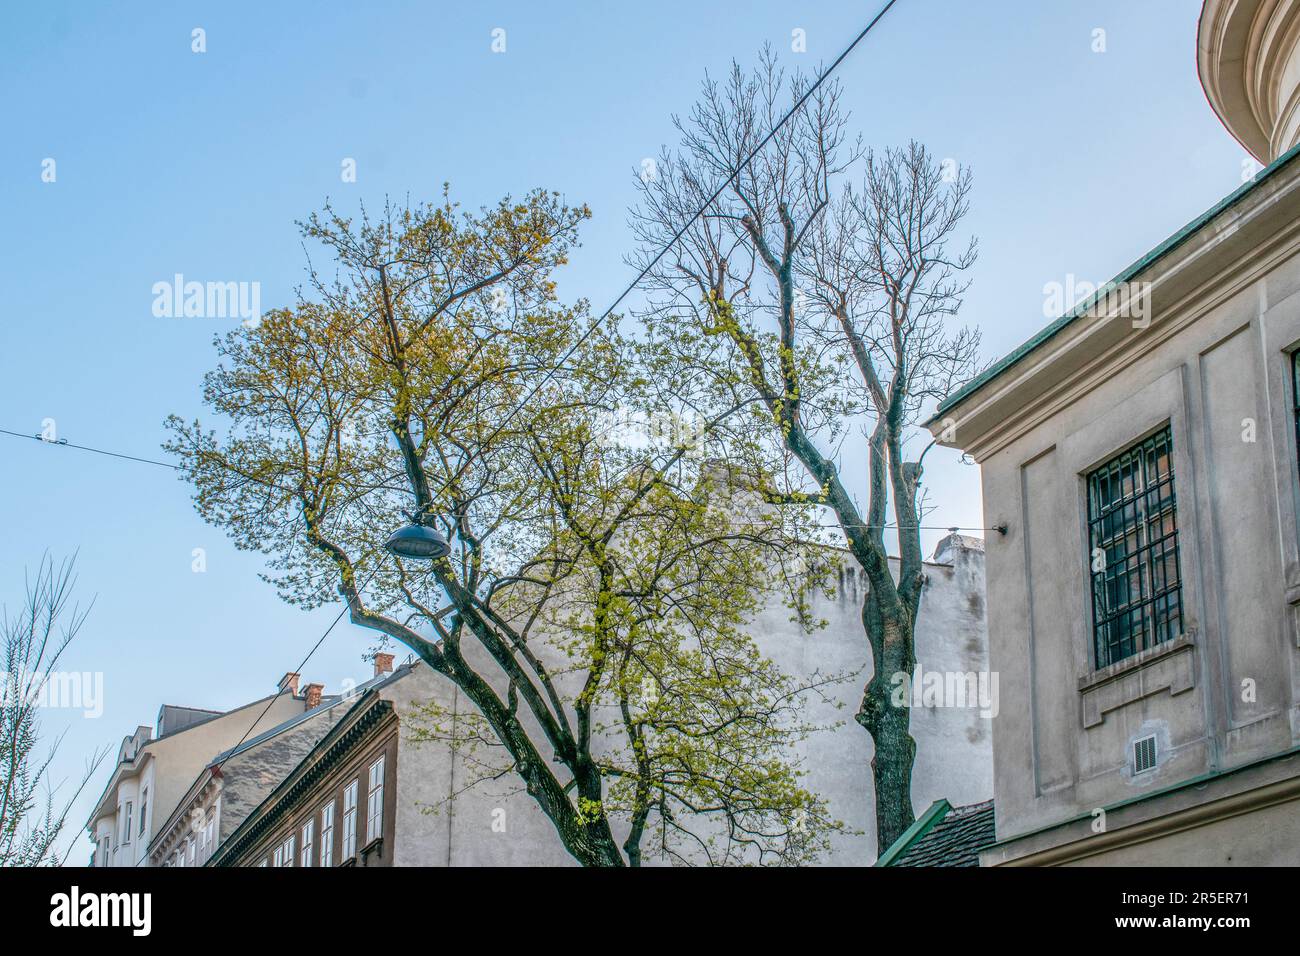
[
  {"x": 375, "y": 799},
  {"x": 350, "y": 812},
  {"x": 308, "y": 834},
  {"x": 1131, "y": 487},
  {"x": 327, "y": 833},
  {"x": 286, "y": 851},
  {"x": 1295, "y": 401},
  {"x": 209, "y": 831}
]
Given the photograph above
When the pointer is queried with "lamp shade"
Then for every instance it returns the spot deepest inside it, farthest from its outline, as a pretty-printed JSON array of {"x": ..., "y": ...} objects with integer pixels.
[{"x": 417, "y": 541}]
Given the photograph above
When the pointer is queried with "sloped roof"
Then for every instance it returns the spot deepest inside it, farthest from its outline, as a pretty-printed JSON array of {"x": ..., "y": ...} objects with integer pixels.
[
  {"x": 364, "y": 695},
  {"x": 944, "y": 836}
]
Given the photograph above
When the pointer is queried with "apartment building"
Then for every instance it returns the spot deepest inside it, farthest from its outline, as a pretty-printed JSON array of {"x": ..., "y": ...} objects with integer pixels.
[
  {"x": 339, "y": 806},
  {"x": 239, "y": 779},
  {"x": 156, "y": 766}
]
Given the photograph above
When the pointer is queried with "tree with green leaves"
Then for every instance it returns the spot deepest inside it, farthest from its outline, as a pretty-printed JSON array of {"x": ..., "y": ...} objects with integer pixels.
[
  {"x": 593, "y": 606},
  {"x": 826, "y": 300}
]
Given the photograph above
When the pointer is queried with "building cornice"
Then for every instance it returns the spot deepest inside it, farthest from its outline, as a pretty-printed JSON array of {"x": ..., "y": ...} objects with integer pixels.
[
  {"x": 126, "y": 769},
  {"x": 171, "y": 833},
  {"x": 1195, "y": 270},
  {"x": 1209, "y": 798}
]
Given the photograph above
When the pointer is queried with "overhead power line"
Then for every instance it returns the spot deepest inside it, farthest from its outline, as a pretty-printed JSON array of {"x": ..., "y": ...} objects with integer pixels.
[
  {"x": 822, "y": 77},
  {"x": 297, "y": 670},
  {"x": 604, "y": 316},
  {"x": 64, "y": 443}
]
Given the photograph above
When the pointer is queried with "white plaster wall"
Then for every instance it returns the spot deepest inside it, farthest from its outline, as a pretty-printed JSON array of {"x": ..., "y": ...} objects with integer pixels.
[{"x": 495, "y": 824}]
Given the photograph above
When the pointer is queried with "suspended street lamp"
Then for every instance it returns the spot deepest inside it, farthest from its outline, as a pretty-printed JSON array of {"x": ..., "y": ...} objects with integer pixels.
[{"x": 417, "y": 540}]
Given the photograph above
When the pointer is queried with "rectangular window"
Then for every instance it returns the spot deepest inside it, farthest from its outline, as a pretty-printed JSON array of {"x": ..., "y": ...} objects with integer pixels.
[
  {"x": 1137, "y": 597},
  {"x": 210, "y": 832},
  {"x": 327, "y": 834},
  {"x": 144, "y": 808},
  {"x": 350, "y": 821},
  {"x": 126, "y": 824},
  {"x": 284, "y": 852},
  {"x": 375, "y": 802},
  {"x": 308, "y": 835},
  {"x": 189, "y": 851}
]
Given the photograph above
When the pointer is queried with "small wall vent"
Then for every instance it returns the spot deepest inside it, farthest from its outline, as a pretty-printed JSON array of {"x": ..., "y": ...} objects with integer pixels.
[{"x": 1144, "y": 754}]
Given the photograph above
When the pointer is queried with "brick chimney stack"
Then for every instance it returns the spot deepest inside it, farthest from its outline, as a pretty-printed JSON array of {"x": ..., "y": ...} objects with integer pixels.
[
  {"x": 289, "y": 682},
  {"x": 383, "y": 664},
  {"x": 312, "y": 693}
]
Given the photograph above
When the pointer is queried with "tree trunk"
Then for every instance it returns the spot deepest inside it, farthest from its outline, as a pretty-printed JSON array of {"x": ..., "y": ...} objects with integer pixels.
[
  {"x": 588, "y": 840},
  {"x": 888, "y": 722}
]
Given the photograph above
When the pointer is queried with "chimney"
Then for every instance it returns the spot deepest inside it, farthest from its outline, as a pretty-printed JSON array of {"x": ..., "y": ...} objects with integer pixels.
[
  {"x": 289, "y": 682},
  {"x": 950, "y": 549},
  {"x": 312, "y": 692},
  {"x": 383, "y": 664}
]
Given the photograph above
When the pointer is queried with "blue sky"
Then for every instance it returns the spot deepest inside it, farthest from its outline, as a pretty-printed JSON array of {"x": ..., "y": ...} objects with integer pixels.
[{"x": 170, "y": 161}]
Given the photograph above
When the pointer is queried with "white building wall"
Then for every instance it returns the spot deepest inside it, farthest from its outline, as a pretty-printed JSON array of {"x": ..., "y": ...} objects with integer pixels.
[{"x": 494, "y": 824}]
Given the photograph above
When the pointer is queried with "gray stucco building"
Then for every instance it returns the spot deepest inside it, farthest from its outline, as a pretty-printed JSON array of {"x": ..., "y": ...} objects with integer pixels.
[{"x": 1144, "y": 605}]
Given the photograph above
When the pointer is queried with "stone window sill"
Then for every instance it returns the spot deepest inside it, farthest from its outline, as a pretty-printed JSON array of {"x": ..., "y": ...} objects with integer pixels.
[{"x": 1167, "y": 666}]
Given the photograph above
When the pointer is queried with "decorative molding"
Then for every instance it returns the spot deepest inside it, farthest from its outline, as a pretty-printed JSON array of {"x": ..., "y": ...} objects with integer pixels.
[
  {"x": 1173, "y": 276},
  {"x": 1167, "y": 666},
  {"x": 324, "y": 757},
  {"x": 1086, "y": 844},
  {"x": 1246, "y": 53}
]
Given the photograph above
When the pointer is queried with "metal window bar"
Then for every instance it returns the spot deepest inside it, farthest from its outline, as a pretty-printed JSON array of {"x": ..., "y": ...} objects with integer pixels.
[{"x": 1136, "y": 588}]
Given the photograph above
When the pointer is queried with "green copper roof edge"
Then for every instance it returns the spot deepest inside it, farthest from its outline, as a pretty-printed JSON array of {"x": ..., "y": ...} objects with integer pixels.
[
  {"x": 919, "y": 828},
  {"x": 1169, "y": 245}
]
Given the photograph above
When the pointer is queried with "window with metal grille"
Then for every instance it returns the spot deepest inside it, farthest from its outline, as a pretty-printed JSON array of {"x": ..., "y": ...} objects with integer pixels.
[{"x": 1137, "y": 599}]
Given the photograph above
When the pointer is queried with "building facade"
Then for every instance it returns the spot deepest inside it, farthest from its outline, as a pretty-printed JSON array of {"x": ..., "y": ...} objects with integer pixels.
[
  {"x": 1144, "y": 604},
  {"x": 155, "y": 768},
  {"x": 338, "y": 805},
  {"x": 237, "y": 780}
]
